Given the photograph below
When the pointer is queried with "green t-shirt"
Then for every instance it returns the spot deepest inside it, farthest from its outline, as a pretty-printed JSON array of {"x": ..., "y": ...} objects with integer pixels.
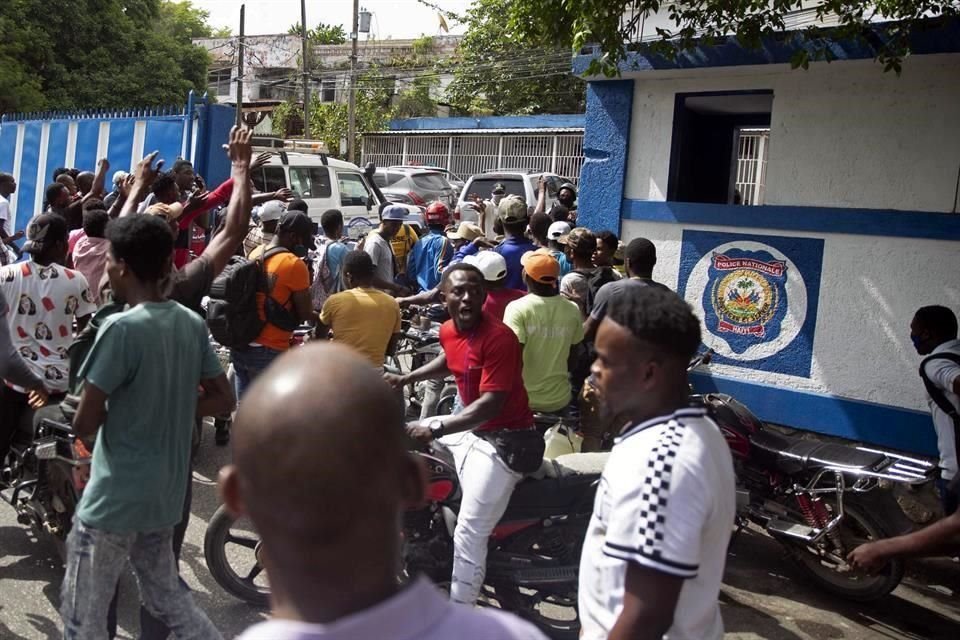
[
  {"x": 149, "y": 360},
  {"x": 547, "y": 328}
]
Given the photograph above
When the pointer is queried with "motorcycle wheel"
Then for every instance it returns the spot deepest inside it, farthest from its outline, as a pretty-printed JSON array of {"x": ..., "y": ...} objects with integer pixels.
[
  {"x": 60, "y": 484},
  {"x": 554, "y": 613},
  {"x": 229, "y": 545},
  {"x": 832, "y": 574}
]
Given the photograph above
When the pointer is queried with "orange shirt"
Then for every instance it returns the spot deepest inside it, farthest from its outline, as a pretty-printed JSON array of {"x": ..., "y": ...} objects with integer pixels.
[{"x": 287, "y": 274}]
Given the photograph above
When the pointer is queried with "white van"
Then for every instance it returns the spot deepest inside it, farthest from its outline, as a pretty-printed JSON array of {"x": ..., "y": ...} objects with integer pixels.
[{"x": 323, "y": 183}]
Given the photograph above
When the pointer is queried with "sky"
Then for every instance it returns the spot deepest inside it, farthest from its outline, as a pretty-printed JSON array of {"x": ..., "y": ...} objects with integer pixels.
[{"x": 391, "y": 18}]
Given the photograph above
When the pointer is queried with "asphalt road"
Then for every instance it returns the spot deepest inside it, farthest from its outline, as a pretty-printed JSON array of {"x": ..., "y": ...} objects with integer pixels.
[{"x": 764, "y": 596}]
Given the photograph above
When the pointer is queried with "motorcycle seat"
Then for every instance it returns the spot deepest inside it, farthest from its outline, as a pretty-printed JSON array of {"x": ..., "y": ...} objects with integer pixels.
[
  {"x": 538, "y": 498},
  {"x": 573, "y": 464},
  {"x": 791, "y": 454}
]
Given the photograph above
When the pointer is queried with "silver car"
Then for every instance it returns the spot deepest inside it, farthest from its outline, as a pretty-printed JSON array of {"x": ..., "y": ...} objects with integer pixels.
[{"x": 415, "y": 186}]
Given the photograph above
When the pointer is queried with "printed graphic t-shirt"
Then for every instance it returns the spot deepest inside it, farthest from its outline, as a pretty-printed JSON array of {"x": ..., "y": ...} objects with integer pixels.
[{"x": 43, "y": 303}]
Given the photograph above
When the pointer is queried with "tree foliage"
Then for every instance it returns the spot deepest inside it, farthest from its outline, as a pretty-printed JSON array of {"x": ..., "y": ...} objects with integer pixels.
[
  {"x": 502, "y": 68},
  {"x": 612, "y": 24},
  {"x": 79, "y": 54},
  {"x": 328, "y": 120},
  {"x": 322, "y": 33}
]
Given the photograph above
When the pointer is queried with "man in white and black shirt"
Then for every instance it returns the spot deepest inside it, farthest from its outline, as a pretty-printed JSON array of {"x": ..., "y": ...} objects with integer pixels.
[
  {"x": 933, "y": 332},
  {"x": 655, "y": 549}
]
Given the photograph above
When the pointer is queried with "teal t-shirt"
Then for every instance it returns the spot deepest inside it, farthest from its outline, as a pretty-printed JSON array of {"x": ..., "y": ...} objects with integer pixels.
[
  {"x": 149, "y": 360},
  {"x": 547, "y": 328}
]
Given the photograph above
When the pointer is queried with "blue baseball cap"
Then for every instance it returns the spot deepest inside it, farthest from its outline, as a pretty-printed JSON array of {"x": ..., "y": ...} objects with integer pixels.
[{"x": 396, "y": 212}]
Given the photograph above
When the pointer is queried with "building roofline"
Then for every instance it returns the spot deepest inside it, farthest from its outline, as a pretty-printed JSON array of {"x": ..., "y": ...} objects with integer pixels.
[{"x": 934, "y": 35}]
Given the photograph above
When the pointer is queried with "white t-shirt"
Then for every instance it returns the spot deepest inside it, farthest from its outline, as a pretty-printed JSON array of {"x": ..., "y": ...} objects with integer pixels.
[
  {"x": 416, "y": 613},
  {"x": 943, "y": 373},
  {"x": 666, "y": 501},
  {"x": 381, "y": 254},
  {"x": 43, "y": 303},
  {"x": 5, "y": 215}
]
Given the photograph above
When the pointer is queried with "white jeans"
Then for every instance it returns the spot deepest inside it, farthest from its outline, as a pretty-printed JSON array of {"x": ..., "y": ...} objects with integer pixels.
[{"x": 486, "y": 484}]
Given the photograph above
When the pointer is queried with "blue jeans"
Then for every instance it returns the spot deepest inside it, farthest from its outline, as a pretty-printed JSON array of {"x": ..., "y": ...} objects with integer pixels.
[
  {"x": 95, "y": 560},
  {"x": 247, "y": 365}
]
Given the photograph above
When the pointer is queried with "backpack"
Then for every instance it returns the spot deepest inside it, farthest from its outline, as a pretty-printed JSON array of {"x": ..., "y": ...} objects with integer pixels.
[
  {"x": 596, "y": 279},
  {"x": 940, "y": 399},
  {"x": 325, "y": 283},
  {"x": 232, "y": 315},
  {"x": 80, "y": 347}
]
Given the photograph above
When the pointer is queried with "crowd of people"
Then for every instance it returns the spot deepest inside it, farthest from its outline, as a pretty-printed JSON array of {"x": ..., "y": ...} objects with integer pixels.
[{"x": 543, "y": 316}]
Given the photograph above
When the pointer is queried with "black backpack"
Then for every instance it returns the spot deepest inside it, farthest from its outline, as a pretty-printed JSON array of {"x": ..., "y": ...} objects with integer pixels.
[
  {"x": 940, "y": 399},
  {"x": 232, "y": 315},
  {"x": 596, "y": 279}
]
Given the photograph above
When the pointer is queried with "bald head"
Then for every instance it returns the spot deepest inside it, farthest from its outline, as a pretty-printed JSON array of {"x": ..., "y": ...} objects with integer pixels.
[
  {"x": 85, "y": 181},
  {"x": 319, "y": 448}
]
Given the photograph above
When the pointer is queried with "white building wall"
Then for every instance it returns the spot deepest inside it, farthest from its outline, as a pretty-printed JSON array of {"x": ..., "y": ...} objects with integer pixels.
[
  {"x": 843, "y": 134},
  {"x": 869, "y": 290}
]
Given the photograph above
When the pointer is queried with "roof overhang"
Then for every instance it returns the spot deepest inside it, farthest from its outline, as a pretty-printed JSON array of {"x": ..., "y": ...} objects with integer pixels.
[
  {"x": 931, "y": 36},
  {"x": 477, "y": 132}
]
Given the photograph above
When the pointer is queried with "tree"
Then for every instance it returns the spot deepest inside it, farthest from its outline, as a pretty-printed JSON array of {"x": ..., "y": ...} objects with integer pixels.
[
  {"x": 416, "y": 100},
  {"x": 502, "y": 69},
  {"x": 610, "y": 24},
  {"x": 328, "y": 120},
  {"x": 80, "y": 54},
  {"x": 322, "y": 33}
]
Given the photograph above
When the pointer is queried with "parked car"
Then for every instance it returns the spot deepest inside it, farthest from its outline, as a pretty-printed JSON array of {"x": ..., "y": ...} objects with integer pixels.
[
  {"x": 455, "y": 181},
  {"x": 324, "y": 183},
  {"x": 517, "y": 182},
  {"x": 414, "y": 186}
]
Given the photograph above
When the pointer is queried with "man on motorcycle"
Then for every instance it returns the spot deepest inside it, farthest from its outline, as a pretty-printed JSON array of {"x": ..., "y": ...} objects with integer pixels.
[
  {"x": 934, "y": 334},
  {"x": 45, "y": 298},
  {"x": 656, "y": 545},
  {"x": 485, "y": 358},
  {"x": 315, "y": 542}
]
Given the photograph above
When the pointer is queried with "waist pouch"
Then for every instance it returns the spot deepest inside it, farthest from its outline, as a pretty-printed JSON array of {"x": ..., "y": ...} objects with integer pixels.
[{"x": 520, "y": 449}]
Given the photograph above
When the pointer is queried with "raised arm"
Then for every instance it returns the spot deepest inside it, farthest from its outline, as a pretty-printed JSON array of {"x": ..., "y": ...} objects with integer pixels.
[
  {"x": 143, "y": 176},
  {"x": 237, "y": 223}
]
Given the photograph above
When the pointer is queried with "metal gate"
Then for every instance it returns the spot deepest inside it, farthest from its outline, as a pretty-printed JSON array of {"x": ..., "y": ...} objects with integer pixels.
[
  {"x": 752, "y": 145},
  {"x": 465, "y": 154}
]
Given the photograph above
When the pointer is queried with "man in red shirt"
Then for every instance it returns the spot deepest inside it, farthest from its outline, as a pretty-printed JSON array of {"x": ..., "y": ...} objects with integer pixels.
[
  {"x": 485, "y": 358},
  {"x": 494, "y": 269}
]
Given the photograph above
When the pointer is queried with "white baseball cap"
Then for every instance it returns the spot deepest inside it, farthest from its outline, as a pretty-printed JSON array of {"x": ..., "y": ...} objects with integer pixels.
[
  {"x": 491, "y": 265},
  {"x": 272, "y": 210},
  {"x": 557, "y": 229}
]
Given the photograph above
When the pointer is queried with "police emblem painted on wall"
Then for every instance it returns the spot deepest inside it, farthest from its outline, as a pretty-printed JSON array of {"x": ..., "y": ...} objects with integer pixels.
[{"x": 757, "y": 296}]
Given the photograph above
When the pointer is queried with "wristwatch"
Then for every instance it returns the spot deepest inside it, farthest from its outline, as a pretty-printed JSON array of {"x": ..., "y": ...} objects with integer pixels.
[{"x": 436, "y": 428}]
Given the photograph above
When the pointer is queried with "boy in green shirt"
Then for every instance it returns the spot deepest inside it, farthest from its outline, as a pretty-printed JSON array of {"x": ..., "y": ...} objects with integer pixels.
[{"x": 148, "y": 363}]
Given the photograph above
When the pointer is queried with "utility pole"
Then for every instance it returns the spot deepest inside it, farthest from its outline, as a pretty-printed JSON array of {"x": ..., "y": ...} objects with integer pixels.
[
  {"x": 306, "y": 75},
  {"x": 352, "y": 96},
  {"x": 239, "y": 115}
]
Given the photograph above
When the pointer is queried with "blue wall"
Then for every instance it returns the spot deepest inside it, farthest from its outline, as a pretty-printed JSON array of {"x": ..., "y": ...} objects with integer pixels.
[
  {"x": 606, "y": 139},
  {"x": 164, "y": 130},
  {"x": 490, "y": 122}
]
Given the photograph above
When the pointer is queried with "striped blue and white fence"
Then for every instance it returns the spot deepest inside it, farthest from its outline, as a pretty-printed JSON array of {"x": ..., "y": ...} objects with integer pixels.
[{"x": 33, "y": 145}]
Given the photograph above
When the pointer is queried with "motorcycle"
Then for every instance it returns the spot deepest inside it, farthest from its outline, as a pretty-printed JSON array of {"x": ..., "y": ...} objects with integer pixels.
[
  {"x": 819, "y": 500},
  {"x": 420, "y": 343},
  {"x": 45, "y": 473},
  {"x": 534, "y": 553}
]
